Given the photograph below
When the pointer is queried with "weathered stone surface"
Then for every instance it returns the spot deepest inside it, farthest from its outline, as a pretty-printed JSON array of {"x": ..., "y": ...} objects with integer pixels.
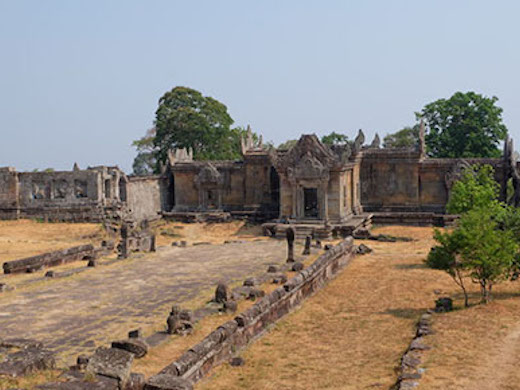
[
  {"x": 26, "y": 361},
  {"x": 280, "y": 279},
  {"x": 20, "y": 343},
  {"x": 296, "y": 267},
  {"x": 230, "y": 306},
  {"x": 221, "y": 293},
  {"x": 417, "y": 344},
  {"x": 179, "y": 321},
  {"x": 34, "y": 263},
  {"x": 307, "y": 248},
  {"x": 236, "y": 362},
  {"x": 98, "y": 383},
  {"x": 256, "y": 293},
  {"x": 167, "y": 382},
  {"x": 362, "y": 249},
  {"x": 136, "y": 382},
  {"x": 135, "y": 334},
  {"x": 135, "y": 346},
  {"x": 112, "y": 362},
  {"x": 249, "y": 282}
]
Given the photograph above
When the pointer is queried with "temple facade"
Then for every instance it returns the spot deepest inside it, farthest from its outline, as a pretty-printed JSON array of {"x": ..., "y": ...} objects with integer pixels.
[{"x": 310, "y": 183}]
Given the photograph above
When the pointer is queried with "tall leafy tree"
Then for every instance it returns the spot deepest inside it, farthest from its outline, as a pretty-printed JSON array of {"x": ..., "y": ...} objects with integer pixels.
[
  {"x": 476, "y": 249},
  {"x": 145, "y": 162},
  {"x": 465, "y": 125},
  {"x": 186, "y": 118},
  {"x": 407, "y": 137}
]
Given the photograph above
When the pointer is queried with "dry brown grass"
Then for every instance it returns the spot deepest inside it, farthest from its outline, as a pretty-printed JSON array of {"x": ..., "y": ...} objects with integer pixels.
[
  {"x": 478, "y": 347},
  {"x": 351, "y": 334},
  {"x": 29, "y": 381},
  {"x": 24, "y": 238},
  {"x": 216, "y": 233}
]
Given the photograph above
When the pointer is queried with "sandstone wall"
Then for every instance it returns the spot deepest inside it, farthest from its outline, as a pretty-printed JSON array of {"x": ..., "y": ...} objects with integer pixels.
[
  {"x": 220, "y": 345},
  {"x": 401, "y": 181},
  {"x": 8, "y": 193},
  {"x": 144, "y": 197}
]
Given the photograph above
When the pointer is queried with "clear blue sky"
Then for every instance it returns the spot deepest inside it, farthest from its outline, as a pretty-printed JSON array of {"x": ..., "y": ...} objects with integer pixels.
[{"x": 79, "y": 80}]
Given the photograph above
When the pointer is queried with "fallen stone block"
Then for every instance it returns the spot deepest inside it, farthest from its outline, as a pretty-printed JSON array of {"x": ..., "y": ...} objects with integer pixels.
[
  {"x": 362, "y": 249},
  {"x": 230, "y": 306},
  {"x": 256, "y": 293},
  {"x": 297, "y": 267},
  {"x": 27, "y": 361},
  {"x": 20, "y": 343},
  {"x": 280, "y": 279},
  {"x": 135, "y": 346},
  {"x": 236, "y": 362},
  {"x": 249, "y": 282},
  {"x": 167, "y": 382},
  {"x": 112, "y": 362}
]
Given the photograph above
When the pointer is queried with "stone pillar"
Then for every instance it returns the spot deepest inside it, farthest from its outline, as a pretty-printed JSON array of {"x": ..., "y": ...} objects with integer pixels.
[
  {"x": 289, "y": 235},
  {"x": 307, "y": 249}
]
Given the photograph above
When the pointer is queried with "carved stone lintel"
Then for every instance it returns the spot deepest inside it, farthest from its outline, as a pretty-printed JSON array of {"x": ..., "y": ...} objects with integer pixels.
[{"x": 456, "y": 173}]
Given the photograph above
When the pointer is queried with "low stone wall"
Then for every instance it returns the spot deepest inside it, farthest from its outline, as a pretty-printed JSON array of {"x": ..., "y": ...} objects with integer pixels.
[
  {"x": 50, "y": 259},
  {"x": 220, "y": 345}
]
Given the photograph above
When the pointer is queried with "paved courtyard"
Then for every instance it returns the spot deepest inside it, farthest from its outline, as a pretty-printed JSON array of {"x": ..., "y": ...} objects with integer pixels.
[{"x": 76, "y": 314}]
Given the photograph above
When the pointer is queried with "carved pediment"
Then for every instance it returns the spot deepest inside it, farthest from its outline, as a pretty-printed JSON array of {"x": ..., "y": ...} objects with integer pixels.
[
  {"x": 208, "y": 175},
  {"x": 308, "y": 150},
  {"x": 309, "y": 167}
]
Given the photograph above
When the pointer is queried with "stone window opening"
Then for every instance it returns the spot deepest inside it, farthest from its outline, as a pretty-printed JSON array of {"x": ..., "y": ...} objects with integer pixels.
[{"x": 107, "y": 189}]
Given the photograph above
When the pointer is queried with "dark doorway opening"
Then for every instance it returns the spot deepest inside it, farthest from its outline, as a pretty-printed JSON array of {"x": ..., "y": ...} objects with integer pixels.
[
  {"x": 310, "y": 202},
  {"x": 274, "y": 180}
]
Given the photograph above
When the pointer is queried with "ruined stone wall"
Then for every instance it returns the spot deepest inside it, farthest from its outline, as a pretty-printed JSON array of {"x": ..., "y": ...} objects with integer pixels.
[
  {"x": 401, "y": 181},
  {"x": 9, "y": 207},
  {"x": 69, "y": 196},
  {"x": 144, "y": 197},
  {"x": 223, "y": 343}
]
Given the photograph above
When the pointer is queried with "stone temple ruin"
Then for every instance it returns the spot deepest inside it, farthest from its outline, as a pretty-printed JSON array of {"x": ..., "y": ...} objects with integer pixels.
[{"x": 317, "y": 187}]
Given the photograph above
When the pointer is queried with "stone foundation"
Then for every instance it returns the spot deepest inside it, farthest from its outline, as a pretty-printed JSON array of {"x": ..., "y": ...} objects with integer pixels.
[{"x": 222, "y": 344}]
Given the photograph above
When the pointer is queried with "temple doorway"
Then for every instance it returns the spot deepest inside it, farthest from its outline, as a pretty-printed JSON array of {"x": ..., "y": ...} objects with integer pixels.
[{"x": 310, "y": 202}]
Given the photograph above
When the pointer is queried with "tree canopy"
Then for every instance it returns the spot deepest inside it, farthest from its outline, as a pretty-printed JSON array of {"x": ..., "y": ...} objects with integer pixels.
[
  {"x": 477, "y": 188},
  {"x": 465, "y": 125},
  {"x": 404, "y": 138},
  {"x": 334, "y": 138},
  {"x": 484, "y": 246},
  {"x": 187, "y": 119}
]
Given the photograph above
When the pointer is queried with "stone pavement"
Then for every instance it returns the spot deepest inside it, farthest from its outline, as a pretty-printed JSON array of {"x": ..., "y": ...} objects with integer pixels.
[{"x": 76, "y": 314}]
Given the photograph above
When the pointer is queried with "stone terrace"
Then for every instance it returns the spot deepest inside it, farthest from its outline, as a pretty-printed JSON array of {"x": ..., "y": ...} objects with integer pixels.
[{"x": 76, "y": 314}]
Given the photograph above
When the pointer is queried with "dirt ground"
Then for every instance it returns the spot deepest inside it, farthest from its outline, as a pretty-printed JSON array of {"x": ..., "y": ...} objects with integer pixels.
[
  {"x": 24, "y": 238},
  {"x": 351, "y": 334}
]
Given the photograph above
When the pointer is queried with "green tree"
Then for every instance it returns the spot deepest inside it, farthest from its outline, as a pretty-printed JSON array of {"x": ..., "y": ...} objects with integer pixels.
[
  {"x": 186, "y": 118},
  {"x": 334, "y": 138},
  {"x": 465, "y": 125},
  {"x": 445, "y": 257},
  {"x": 476, "y": 249},
  {"x": 145, "y": 162},
  {"x": 476, "y": 188},
  {"x": 405, "y": 138}
]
